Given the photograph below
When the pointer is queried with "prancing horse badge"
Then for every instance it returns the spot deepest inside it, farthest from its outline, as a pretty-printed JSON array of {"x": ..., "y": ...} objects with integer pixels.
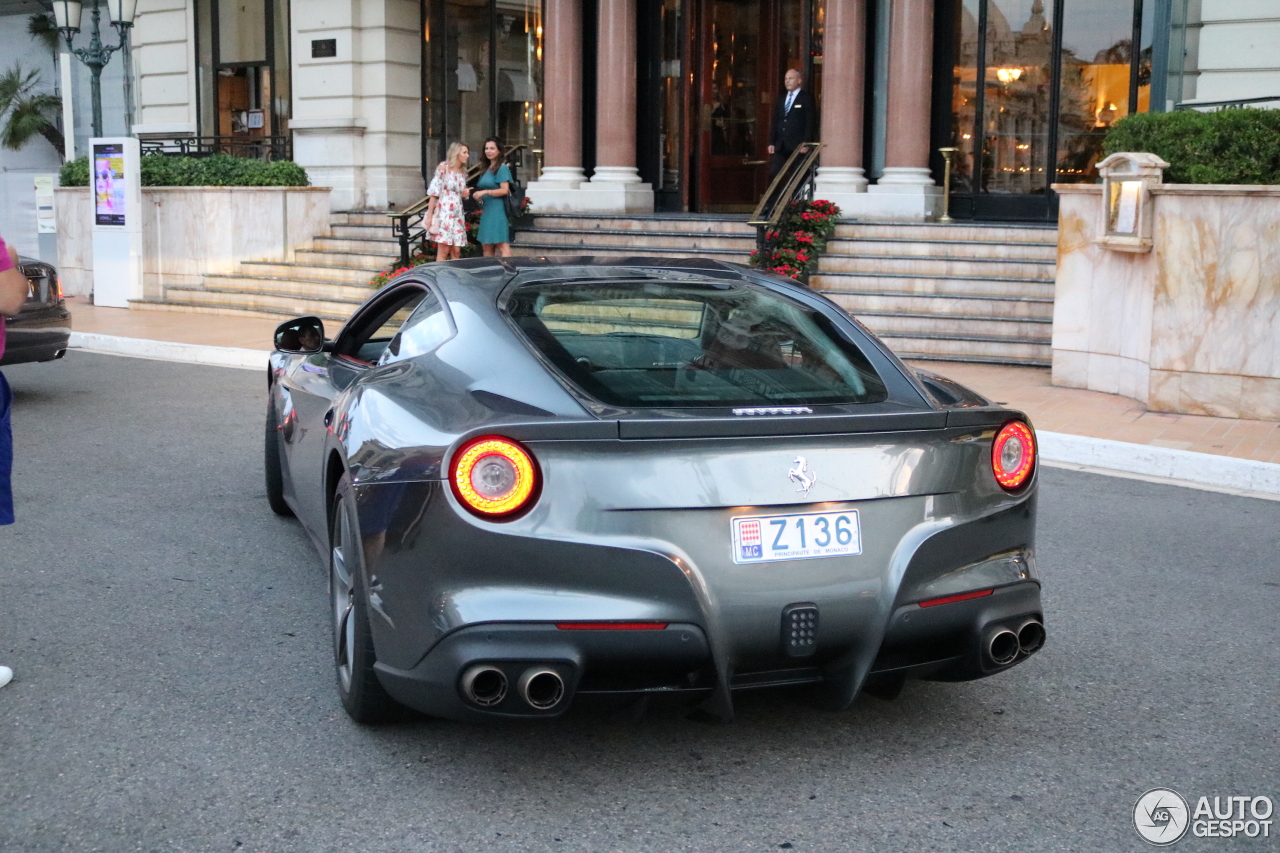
[{"x": 802, "y": 476}]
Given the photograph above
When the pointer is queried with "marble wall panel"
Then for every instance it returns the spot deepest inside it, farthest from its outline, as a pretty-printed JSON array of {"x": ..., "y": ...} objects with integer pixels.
[
  {"x": 1192, "y": 326},
  {"x": 75, "y": 240},
  {"x": 188, "y": 232},
  {"x": 1217, "y": 293}
]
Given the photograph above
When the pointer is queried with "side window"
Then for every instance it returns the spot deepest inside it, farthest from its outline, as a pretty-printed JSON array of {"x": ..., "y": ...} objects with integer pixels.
[
  {"x": 367, "y": 340},
  {"x": 427, "y": 328}
]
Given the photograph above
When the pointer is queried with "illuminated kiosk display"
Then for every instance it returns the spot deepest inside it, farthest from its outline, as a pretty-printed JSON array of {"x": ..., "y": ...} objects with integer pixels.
[{"x": 116, "y": 182}]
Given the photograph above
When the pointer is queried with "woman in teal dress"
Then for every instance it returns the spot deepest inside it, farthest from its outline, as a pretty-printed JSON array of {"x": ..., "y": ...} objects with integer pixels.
[{"x": 493, "y": 186}]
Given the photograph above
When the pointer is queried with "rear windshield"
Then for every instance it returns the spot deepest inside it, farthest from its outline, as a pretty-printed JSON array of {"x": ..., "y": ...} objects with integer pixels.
[{"x": 654, "y": 344}]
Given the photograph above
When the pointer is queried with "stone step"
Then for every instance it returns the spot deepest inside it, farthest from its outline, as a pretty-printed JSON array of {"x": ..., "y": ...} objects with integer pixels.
[
  {"x": 370, "y": 262},
  {"x": 670, "y": 222},
  {"x": 1005, "y": 233},
  {"x": 924, "y": 266},
  {"x": 955, "y": 249},
  {"x": 558, "y": 250},
  {"x": 379, "y": 231},
  {"x": 666, "y": 241},
  {"x": 982, "y": 326},
  {"x": 387, "y": 245},
  {"x": 327, "y": 273},
  {"x": 195, "y": 306},
  {"x": 265, "y": 301},
  {"x": 829, "y": 283},
  {"x": 311, "y": 288},
  {"x": 992, "y": 350},
  {"x": 944, "y": 305},
  {"x": 360, "y": 217}
]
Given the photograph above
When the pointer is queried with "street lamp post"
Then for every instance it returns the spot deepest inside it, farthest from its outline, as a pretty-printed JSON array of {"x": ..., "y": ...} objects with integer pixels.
[{"x": 68, "y": 15}]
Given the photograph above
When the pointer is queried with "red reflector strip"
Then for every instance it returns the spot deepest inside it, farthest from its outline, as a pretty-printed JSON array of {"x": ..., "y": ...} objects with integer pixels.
[
  {"x": 611, "y": 626},
  {"x": 964, "y": 596}
]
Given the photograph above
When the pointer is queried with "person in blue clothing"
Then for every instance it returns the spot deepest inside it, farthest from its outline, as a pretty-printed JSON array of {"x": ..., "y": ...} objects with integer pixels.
[{"x": 494, "y": 184}]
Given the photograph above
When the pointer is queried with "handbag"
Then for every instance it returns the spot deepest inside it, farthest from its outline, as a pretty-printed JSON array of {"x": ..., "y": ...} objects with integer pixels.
[{"x": 513, "y": 201}]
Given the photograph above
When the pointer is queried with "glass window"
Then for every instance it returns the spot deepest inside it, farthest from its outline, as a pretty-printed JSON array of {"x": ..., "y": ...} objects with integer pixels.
[
  {"x": 964, "y": 96},
  {"x": 1097, "y": 55},
  {"x": 654, "y": 344},
  {"x": 428, "y": 327},
  {"x": 242, "y": 31},
  {"x": 1017, "y": 85},
  {"x": 482, "y": 76}
]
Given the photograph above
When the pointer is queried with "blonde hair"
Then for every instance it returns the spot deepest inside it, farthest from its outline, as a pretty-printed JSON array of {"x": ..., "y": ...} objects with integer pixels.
[{"x": 452, "y": 154}]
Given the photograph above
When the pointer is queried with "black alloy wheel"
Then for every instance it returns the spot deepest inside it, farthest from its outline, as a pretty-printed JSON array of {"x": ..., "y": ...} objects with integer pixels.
[{"x": 362, "y": 695}]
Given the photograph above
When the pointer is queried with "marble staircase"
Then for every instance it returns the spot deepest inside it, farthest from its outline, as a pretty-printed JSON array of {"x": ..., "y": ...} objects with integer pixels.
[
  {"x": 677, "y": 235},
  {"x": 960, "y": 292},
  {"x": 329, "y": 278},
  {"x": 957, "y": 292}
]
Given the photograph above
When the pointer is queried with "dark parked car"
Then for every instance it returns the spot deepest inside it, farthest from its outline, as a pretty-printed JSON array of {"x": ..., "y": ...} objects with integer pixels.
[
  {"x": 537, "y": 479},
  {"x": 41, "y": 330}
]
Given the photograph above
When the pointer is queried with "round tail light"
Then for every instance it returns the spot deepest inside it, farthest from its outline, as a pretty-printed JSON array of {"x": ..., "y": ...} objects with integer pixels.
[
  {"x": 494, "y": 477},
  {"x": 1013, "y": 455}
]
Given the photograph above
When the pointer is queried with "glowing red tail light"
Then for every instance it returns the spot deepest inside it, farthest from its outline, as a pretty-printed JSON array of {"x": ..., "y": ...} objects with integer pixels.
[
  {"x": 1013, "y": 455},
  {"x": 494, "y": 477}
]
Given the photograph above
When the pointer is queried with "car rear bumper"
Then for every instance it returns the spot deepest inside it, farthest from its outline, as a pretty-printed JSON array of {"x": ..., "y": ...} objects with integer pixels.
[
  {"x": 36, "y": 335},
  {"x": 452, "y": 595}
]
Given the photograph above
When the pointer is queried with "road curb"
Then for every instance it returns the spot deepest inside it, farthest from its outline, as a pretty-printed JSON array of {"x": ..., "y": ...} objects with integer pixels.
[
  {"x": 1164, "y": 463},
  {"x": 169, "y": 351},
  {"x": 1099, "y": 455}
]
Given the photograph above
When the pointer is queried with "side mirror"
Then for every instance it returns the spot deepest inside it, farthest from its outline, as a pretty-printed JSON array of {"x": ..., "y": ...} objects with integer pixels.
[{"x": 303, "y": 335}]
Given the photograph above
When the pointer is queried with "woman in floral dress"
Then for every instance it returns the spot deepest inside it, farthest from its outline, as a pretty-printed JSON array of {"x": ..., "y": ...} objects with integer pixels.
[{"x": 447, "y": 227}]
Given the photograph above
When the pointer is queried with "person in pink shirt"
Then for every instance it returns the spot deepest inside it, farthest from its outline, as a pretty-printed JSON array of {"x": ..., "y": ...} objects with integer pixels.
[{"x": 13, "y": 292}]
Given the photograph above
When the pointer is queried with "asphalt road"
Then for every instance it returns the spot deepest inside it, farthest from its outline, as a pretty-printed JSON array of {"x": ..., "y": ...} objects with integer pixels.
[{"x": 175, "y": 692}]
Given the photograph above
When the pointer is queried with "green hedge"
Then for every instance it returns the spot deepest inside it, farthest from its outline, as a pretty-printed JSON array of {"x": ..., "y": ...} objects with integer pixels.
[
  {"x": 1239, "y": 146},
  {"x": 217, "y": 170}
]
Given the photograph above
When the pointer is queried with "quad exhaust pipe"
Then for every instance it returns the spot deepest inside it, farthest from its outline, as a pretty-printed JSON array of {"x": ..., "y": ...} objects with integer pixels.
[
  {"x": 539, "y": 687},
  {"x": 1005, "y": 645},
  {"x": 1030, "y": 637},
  {"x": 484, "y": 685}
]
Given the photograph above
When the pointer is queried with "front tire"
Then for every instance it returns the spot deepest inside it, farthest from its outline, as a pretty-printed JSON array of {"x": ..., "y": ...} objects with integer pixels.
[
  {"x": 271, "y": 464},
  {"x": 362, "y": 695}
]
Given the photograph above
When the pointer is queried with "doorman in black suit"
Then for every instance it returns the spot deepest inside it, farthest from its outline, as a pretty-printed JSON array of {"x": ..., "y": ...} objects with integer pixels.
[{"x": 794, "y": 121}]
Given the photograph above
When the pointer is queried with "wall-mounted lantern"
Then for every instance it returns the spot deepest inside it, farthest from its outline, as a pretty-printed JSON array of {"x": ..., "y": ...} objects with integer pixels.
[{"x": 1127, "y": 179}]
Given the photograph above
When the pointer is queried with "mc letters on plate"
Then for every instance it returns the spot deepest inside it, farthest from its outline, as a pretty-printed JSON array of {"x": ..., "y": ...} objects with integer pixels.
[{"x": 761, "y": 539}]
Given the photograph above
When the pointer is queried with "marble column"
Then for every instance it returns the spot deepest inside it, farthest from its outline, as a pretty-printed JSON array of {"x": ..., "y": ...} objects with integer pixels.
[
  {"x": 843, "y": 70},
  {"x": 906, "y": 172},
  {"x": 562, "y": 107},
  {"x": 616, "y": 184}
]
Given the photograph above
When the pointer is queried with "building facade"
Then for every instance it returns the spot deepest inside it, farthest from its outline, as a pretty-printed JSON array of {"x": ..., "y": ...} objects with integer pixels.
[{"x": 642, "y": 105}]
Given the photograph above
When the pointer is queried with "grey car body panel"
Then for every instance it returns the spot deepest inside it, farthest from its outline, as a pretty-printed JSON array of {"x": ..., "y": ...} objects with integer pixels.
[{"x": 633, "y": 520}]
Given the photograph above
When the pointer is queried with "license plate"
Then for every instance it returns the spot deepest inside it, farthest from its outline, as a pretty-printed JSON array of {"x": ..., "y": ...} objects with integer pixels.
[{"x": 759, "y": 539}]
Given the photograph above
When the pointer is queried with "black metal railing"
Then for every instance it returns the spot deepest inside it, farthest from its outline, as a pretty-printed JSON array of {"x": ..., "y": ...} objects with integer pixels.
[
  {"x": 408, "y": 226},
  {"x": 250, "y": 147},
  {"x": 794, "y": 181}
]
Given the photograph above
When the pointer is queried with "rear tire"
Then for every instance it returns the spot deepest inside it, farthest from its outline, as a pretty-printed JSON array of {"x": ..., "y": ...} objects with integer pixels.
[
  {"x": 362, "y": 695},
  {"x": 271, "y": 464}
]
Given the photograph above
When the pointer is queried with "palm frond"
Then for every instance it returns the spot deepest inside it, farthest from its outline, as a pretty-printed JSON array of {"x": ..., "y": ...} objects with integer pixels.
[{"x": 41, "y": 27}]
